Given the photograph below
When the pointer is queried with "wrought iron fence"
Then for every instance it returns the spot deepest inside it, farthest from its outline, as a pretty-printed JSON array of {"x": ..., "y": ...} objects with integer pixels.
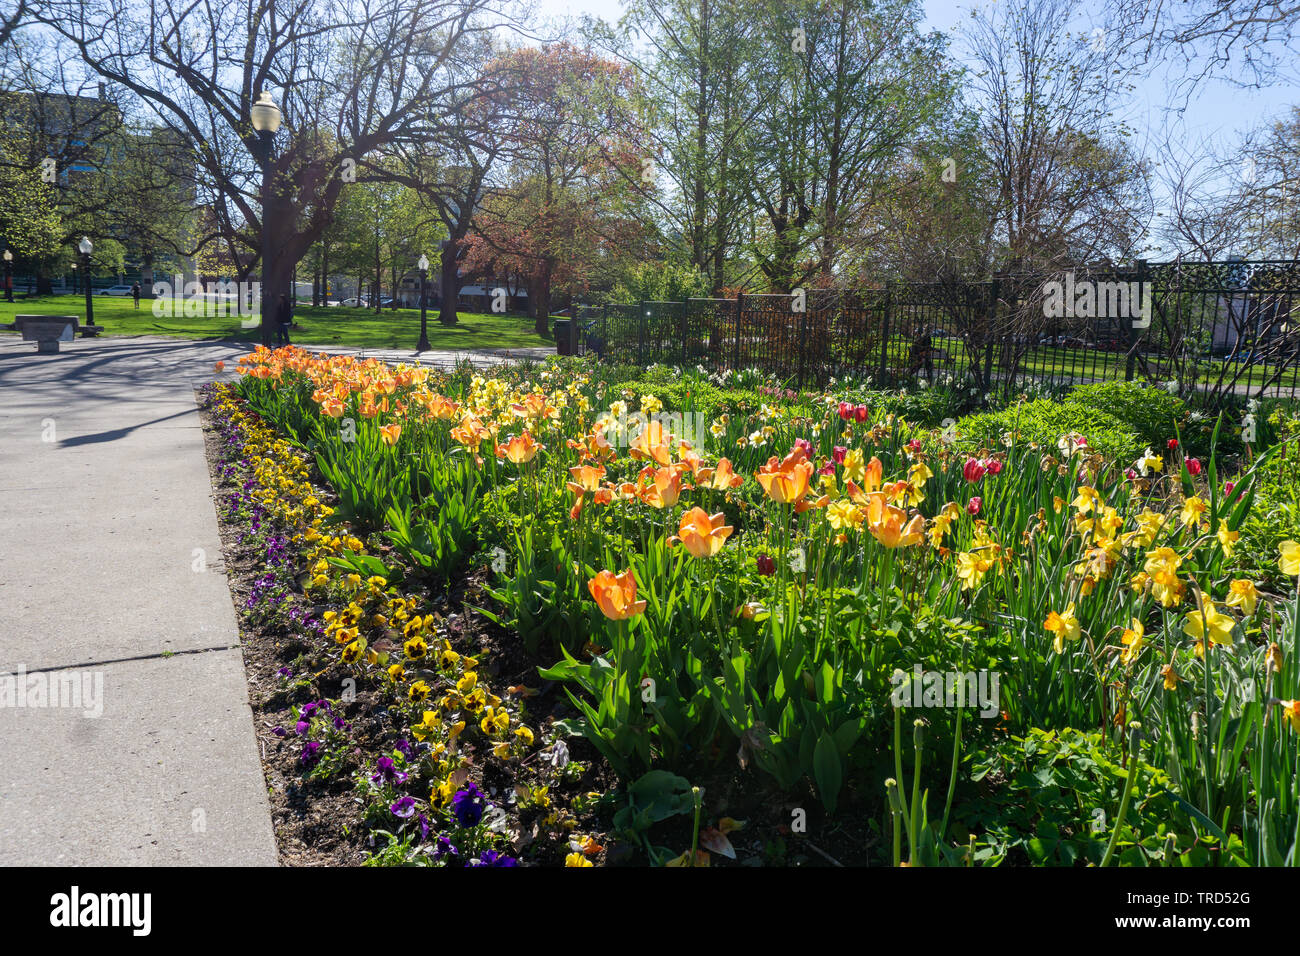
[{"x": 1222, "y": 328}]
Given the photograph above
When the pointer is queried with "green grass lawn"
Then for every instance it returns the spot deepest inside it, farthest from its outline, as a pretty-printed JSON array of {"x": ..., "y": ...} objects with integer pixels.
[{"x": 356, "y": 328}]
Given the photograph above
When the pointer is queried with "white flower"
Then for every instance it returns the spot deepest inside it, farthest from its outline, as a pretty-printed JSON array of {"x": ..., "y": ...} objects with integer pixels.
[{"x": 557, "y": 755}]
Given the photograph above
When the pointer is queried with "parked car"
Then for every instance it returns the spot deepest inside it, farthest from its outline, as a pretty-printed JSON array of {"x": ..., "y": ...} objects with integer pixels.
[{"x": 114, "y": 290}]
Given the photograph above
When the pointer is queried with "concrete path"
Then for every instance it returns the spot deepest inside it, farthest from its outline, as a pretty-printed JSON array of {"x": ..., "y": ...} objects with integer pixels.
[{"x": 107, "y": 512}]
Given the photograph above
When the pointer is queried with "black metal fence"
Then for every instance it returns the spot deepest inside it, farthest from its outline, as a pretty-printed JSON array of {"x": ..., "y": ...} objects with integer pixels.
[{"x": 1220, "y": 327}]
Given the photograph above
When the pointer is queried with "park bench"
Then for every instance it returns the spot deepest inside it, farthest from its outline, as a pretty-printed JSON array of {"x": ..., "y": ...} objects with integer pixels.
[{"x": 47, "y": 331}]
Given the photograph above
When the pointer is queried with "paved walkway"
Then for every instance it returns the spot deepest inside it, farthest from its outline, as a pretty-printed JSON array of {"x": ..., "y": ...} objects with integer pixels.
[{"x": 107, "y": 506}]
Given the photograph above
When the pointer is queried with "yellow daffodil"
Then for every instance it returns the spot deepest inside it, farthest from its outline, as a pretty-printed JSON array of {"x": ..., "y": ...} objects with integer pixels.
[
  {"x": 1218, "y": 625},
  {"x": 1132, "y": 639},
  {"x": 1064, "y": 626},
  {"x": 1193, "y": 513},
  {"x": 1242, "y": 594},
  {"x": 1289, "y": 557}
]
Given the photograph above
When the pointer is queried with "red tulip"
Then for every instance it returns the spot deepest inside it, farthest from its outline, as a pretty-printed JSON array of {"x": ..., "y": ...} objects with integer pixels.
[
  {"x": 992, "y": 465},
  {"x": 973, "y": 506},
  {"x": 1171, "y": 444},
  {"x": 1194, "y": 466},
  {"x": 860, "y": 413},
  {"x": 838, "y": 454},
  {"x": 972, "y": 471}
]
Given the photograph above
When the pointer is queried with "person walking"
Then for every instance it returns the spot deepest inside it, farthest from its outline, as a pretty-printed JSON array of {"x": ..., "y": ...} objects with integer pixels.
[
  {"x": 283, "y": 319},
  {"x": 135, "y": 294}
]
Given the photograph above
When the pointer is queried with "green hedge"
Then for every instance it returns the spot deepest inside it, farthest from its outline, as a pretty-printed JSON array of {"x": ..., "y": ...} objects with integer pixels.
[
  {"x": 1045, "y": 421},
  {"x": 1152, "y": 413}
]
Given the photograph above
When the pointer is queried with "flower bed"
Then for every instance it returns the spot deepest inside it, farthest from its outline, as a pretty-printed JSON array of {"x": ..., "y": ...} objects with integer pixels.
[
  {"x": 399, "y": 739},
  {"x": 737, "y": 625}
]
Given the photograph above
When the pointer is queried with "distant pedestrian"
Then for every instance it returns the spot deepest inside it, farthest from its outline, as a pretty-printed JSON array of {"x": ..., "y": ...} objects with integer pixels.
[
  {"x": 135, "y": 294},
  {"x": 922, "y": 355},
  {"x": 283, "y": 319}
]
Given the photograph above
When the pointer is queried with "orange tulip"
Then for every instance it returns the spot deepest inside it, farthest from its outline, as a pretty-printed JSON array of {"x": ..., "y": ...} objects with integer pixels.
[
  {"x": 874, "y": 471},
  {"x": 659, "y": 488},
  {"x": 723, "y": 477},
  {"x": 652, "y": 443},
  {"x": 595, "y": 446},
  {"x": 332, "y": 408},
  {"x": 616, "y": 595},
  {"x": 470, "y": 432},
  {"x": 520, "y": 449},
  {"x": 703, "y": 535},
  {"x": 887, "y": 524},
  {"x": 442, "y": 409},
  {"x": 390, "y": 434},
  {"x": 220, "y": 366},
  {"x": 786, "y": 482},
  {"x": 533, "y": 406},
  {"x": 585, "y": 478}
]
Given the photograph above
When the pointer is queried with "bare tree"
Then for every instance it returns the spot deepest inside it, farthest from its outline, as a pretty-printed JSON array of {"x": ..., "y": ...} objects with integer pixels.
[
  {"x": 1244, "y": 42},
  {"x": 353, "y": 77}
]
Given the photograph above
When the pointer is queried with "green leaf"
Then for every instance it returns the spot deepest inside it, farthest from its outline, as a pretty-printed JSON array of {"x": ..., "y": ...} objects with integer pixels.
[{"x": 827, "y": 771}]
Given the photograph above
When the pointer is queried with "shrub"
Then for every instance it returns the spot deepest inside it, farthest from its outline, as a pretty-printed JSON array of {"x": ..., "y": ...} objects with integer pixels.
[
  {"x": 1046, "y": 421},
  {"x": 1276, "y": 514},
  {"x": 1150, "y": 412}
]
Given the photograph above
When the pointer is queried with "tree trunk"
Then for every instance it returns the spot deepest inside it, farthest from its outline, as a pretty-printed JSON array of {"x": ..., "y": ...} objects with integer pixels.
[
  {"x": 541, "y": 302},
  {"x": 324, "y": 272},
  {"x": 450, "y": 282},
  {"x": 146, "y": 276},
  {"x": 44, "y": 284}
]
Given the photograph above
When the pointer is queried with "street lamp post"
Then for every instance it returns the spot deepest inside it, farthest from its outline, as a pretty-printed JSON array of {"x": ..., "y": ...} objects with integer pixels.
[
  {"x": 86, "y": 247},
  {"x": 266, "y": 118},
  {"x": 9, "y": 276},
  {"x": 423, "y": 265}
]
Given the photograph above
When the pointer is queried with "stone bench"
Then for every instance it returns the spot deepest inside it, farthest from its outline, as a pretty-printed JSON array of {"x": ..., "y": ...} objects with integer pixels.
[{"x": 47, "y": 331}]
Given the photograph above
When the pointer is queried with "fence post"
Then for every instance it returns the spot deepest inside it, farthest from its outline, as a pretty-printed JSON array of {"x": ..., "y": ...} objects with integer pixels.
[
  {"x": 884, "y": 332},
  {"x": 740, "y": 308},
  {"x": 803, "y": 339},
  {"x": 1132, "y": 339},
  {"x": 685, "y": 320},
  {"x": 640, "y": 336},
  {"x": 994, "y": 290}
]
